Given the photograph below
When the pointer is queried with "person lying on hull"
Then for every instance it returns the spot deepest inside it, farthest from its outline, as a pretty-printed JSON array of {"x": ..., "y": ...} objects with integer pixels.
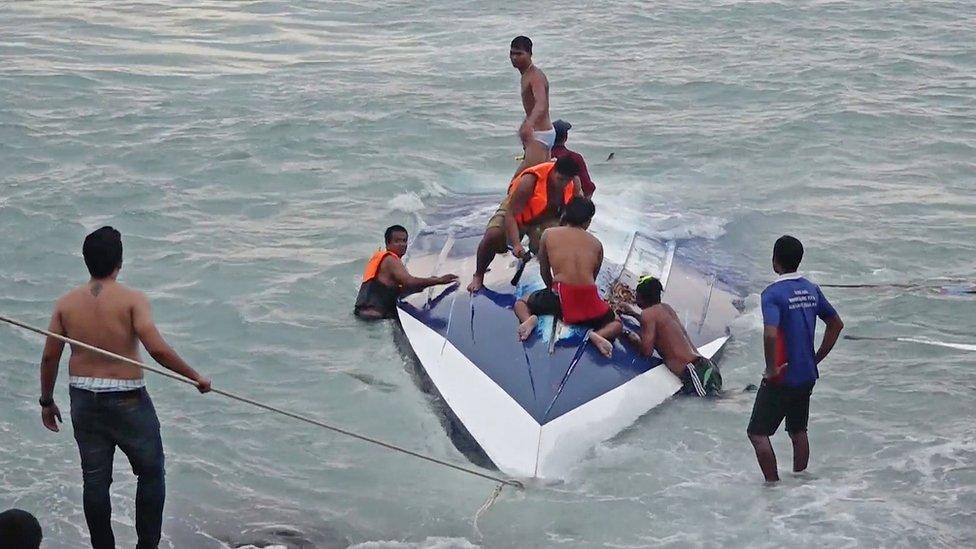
[
  {"x": 569, "y": 261},
  {"x": 535, "y": 202},
  {"x": 386, "y": 278},
  {"x": 660, "y": 329}
]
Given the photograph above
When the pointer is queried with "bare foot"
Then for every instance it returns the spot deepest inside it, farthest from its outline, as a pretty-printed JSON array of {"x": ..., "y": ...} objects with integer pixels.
[
  {"x": 525, "y": 328},
  {"x": 477, "y": 282},
  {"x": 601, "y": 344}
]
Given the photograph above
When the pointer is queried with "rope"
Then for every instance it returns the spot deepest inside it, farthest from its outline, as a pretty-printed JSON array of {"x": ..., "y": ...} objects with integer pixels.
[
  {"x": 252, "y": 402},
  {"x": 923, "y": 341},
  {"x": 484, "y": 508},
  {"x": 961, "y": 286}
]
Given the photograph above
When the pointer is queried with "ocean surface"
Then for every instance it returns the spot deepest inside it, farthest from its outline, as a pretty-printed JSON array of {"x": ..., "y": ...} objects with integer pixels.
[{"x": 252, "y": 153}]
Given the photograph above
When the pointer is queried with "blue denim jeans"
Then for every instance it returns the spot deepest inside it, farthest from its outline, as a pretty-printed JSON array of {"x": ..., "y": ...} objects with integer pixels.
[{"x": 126, "y": 419}]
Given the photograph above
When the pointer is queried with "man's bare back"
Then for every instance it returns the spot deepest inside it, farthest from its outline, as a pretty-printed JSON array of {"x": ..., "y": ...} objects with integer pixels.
[
  {"x": 102, "y": 313},
  {"x": 573, "y": 254},
  {"x": 670, "y": 337},
  {"x": 569, "y": 261}
]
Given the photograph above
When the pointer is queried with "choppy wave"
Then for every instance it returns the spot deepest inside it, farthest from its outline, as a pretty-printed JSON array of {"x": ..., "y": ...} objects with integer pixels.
[{"x": 253, "y": 153}]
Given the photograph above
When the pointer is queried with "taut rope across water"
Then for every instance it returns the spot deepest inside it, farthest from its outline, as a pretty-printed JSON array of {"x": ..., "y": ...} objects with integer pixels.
[{"x": 293, "y": 415}]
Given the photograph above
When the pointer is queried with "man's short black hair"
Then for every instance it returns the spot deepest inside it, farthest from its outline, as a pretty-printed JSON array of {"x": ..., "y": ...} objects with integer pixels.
[
  {"x": 102, "y": 251},
  {"x": 522, "y": 43},
  {"x": 579, "y": 211},
  {"x": 649, "y": 290},
  {"x": 788, "y": 252},
  {"x": 19, "y": 529},
  {"x": 388, "y": 235},
  {"x": 567, "y": 166}
]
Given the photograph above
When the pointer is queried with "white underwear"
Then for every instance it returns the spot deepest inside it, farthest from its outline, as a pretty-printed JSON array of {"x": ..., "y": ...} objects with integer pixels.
[
  {"x": 546, "y": 137},
  {"x": 105, "y": 385}
]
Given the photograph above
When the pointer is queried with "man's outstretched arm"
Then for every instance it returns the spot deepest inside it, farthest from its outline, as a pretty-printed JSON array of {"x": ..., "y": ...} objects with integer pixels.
[
  {"x": 648, "y": 333},
  {"x": 157, "y": 347},
  {"x": 410, "y": 283}
]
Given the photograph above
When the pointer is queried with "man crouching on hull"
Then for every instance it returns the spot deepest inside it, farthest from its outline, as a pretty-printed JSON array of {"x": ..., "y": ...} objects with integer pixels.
[
  {"x": 535, "y": 202},
  {"x": 661, "y": 329},
  {"x": 569, "y": 261}
]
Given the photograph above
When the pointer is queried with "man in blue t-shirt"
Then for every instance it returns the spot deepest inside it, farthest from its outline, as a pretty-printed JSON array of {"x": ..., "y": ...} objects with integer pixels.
[{"x": 790, "y": 308}]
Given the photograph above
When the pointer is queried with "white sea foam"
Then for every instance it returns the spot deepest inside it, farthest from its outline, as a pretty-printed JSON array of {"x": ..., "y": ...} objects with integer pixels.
[
  {"x": 335, "y": 121},
  {"x": 428, "y": 543},
  {"x": 406, "y": 202}
]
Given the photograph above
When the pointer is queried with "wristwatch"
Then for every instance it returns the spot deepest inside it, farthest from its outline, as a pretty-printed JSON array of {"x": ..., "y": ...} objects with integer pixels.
[{"x": 45, "y": 402}]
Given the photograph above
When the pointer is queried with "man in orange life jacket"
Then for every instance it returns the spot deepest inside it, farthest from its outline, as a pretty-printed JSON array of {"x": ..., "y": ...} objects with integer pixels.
[
  {"x": 535, "y": 202},
  {"x": 385, "y": 278}
]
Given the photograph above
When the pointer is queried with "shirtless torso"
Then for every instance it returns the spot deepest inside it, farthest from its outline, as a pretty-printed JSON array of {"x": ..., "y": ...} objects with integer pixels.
[
  {"x": 573, "y": 254},
  {"x": 536, "y": 132},
  {"x": 662, "y": 330},
  {"x": 108, "y": 315},
  {"x": 535, "y": 92}
]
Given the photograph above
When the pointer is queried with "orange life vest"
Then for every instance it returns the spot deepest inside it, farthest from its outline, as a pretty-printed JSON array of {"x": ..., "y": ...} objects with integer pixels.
[
  {"x": 373, "y": 267},
  {"x": 539, "y": 201}
]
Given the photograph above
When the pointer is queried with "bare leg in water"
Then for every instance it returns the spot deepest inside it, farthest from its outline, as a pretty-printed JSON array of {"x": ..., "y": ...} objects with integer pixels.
[
  {"x": 765, "y": 456},
  {"x": 801, "y": 450},
  {"x": 491, "y": 244}
]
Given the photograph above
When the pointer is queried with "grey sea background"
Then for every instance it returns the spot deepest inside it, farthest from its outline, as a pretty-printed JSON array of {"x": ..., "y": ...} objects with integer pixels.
[{"x": 252, "y": 153}]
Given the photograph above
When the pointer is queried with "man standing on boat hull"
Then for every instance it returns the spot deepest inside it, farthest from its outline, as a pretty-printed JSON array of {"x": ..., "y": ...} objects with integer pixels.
[
  {"x": 536, "y": 132},
  {"x": 109, "y": 403},
  {"x": 790, "y": 308}
]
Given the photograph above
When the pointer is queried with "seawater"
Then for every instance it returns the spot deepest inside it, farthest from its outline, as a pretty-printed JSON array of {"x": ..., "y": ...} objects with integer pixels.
[{"x": 252, "y": 153}]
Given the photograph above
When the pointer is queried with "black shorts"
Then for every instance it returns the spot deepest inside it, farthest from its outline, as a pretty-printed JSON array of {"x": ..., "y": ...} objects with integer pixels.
[
  {"x": 546, "y": 302},
  {"x": 774, "y": 402}
]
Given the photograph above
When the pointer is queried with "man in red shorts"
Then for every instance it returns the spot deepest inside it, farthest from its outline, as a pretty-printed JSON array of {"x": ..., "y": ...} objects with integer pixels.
[{"x": 569, "y": 260}]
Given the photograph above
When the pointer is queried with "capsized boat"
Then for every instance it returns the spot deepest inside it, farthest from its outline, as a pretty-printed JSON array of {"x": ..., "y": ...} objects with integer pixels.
[{"x": 535, "y": 409}]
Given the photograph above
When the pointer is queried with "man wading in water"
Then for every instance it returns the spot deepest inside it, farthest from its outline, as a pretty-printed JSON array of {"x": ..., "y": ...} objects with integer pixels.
[
  {"x": 790, "y": 308},
  {"x": 109, "y": 403}
]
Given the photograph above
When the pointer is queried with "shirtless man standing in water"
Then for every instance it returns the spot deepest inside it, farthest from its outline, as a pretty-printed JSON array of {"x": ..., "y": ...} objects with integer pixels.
[
  {"x": 569, "y": 261},
  {"x": 537, "y": 134},
  {"x": 662, "y": 330},
  {"x": 109, "y": 403}
]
